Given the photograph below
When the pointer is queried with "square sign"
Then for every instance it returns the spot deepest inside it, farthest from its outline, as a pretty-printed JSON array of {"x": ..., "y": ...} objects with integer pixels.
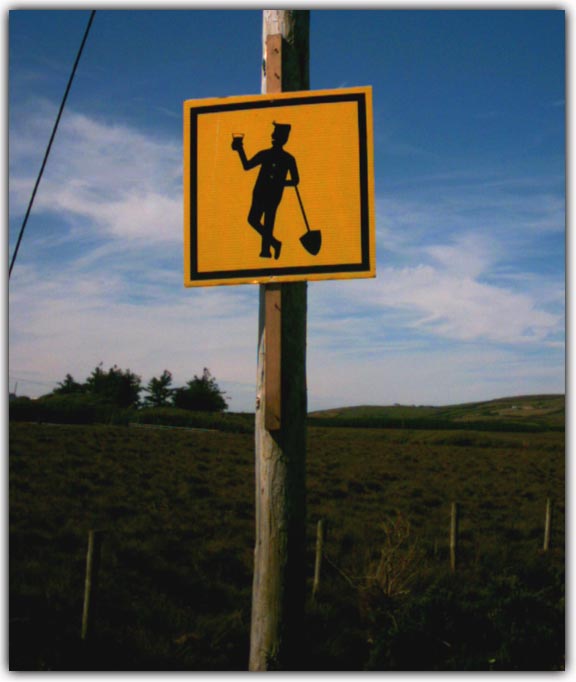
[{"x": 279, "y": 188}]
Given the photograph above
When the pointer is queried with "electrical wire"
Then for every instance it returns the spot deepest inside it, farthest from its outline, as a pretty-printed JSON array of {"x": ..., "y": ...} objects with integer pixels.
[{"x": 52, "y": 136}]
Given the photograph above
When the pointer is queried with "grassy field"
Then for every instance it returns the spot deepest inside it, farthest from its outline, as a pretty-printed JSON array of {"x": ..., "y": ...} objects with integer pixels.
[
  {"x": 176, "y": 507},
  {"x": 517, "y": 414}
]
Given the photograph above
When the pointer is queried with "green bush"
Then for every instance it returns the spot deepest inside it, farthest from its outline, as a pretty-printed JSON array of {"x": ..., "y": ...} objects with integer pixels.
[
  {"x": 432, "y": 424},
  {"x": 510, "y": 621},
  {"x": 71, "y": 408},
  {"x": 200, "y": 394},
  {"x": 85, "y": 408},
  {"x": 173, "y": 416},
  {"x": 23, "y": 410}
]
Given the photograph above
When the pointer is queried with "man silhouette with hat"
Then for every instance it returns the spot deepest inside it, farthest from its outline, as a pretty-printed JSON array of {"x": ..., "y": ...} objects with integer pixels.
[{"x": 275, "y": 165}]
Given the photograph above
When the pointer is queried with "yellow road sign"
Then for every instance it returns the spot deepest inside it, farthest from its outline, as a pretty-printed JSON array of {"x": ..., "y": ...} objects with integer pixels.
[{"x": 279, "y": 187}]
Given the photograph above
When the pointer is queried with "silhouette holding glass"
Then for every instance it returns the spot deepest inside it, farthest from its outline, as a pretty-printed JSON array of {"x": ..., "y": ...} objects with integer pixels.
[{"x": 275, "y": 165}]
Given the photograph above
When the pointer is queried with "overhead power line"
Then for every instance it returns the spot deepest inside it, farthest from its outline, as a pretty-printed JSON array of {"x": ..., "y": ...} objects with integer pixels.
[{"x": 47, "y": 152}]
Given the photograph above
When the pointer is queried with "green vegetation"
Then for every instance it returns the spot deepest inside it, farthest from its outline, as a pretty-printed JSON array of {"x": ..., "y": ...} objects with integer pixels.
[
  {"x": 89, "y": 410},
  {"x": 201, "y": 404},
  {"x": 119, "y": 390},
  {"x": 159, "y": 390},
  {"x": 232, "y": 422},
  {"x": 113, "y": 397},
  {"x": 116, "y": 387},
  {"x": 176, "y": 506},
  {"x": 201, "y": 394},
  {"x": 517, "y": 414}
]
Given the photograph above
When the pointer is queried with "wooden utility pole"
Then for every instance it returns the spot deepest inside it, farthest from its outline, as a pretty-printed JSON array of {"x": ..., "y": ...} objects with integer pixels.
[{"x": 279, "y": 585}]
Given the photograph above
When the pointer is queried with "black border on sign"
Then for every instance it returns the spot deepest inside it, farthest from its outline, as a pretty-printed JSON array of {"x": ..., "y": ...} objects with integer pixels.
[{"x": 362, "y": 266}]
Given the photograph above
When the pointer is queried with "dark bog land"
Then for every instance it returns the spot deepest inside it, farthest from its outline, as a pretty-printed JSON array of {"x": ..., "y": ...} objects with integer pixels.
[{"x": 176, "y": 509}]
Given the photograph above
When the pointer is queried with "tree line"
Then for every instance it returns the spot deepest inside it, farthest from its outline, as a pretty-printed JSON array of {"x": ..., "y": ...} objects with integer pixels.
[{"x": 123, "y": 389}]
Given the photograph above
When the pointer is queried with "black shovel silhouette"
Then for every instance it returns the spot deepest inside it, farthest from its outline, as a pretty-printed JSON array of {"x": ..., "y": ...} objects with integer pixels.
[{"x": 312, "y": 239}]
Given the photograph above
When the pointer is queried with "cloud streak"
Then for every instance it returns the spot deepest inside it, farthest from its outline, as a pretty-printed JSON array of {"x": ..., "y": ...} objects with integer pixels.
[{"x": 125, "y": 184}]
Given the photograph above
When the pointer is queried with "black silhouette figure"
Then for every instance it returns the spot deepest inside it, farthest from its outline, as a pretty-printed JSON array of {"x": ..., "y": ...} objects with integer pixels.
[{"x": 275, "y": 165}]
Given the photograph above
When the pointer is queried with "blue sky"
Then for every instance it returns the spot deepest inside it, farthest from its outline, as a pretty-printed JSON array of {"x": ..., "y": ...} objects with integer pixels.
[{"x": 469, "y": 143}]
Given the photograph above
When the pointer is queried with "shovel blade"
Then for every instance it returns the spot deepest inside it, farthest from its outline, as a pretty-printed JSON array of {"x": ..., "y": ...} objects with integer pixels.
[{"x": 312, "y": 241}]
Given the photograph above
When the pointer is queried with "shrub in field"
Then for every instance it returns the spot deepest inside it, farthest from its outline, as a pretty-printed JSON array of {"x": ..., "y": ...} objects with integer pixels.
[
  {"x": 120, "y": 388},
  {"x": 397, "y": 561},
  {"x": 68, "y": 408},
  {"x": 464, "y": 624},
  {"x": 173, "y": 416},
  {"x": 159, "y": 391},
  {"x": 69, "y": 386},
  {"x": 200, "y": 394},
  {"x": 23, "y": 409}
]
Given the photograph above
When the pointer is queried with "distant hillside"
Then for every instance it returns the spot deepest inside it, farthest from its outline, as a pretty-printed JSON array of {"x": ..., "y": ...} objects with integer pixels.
[{"x": 518, "y": 413}]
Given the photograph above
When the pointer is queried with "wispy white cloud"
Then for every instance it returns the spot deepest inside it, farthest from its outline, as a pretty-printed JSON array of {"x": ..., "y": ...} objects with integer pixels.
[
  {"x": 127, "y": 185},
  {"x": 446, "y": 303},
  {"x": 469, "y": 256},
  {"x": 462, "y": 308}
]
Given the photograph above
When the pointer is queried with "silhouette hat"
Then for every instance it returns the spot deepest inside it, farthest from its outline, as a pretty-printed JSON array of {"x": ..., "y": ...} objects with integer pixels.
[{"x": 282, "y": 129}]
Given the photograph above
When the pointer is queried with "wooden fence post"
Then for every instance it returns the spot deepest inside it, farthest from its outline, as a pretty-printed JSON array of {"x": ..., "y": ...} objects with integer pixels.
[
  {"x": 91, "y": 581},
  {"x": 547, "y": 525},
  {"x": 279, "y": 584},
  {"x": 454, "y": 521},
  {"x": 318, "y": 562}
]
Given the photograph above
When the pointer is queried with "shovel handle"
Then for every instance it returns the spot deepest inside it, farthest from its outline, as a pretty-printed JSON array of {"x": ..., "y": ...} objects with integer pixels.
[{"x": 302, "y": 208}]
